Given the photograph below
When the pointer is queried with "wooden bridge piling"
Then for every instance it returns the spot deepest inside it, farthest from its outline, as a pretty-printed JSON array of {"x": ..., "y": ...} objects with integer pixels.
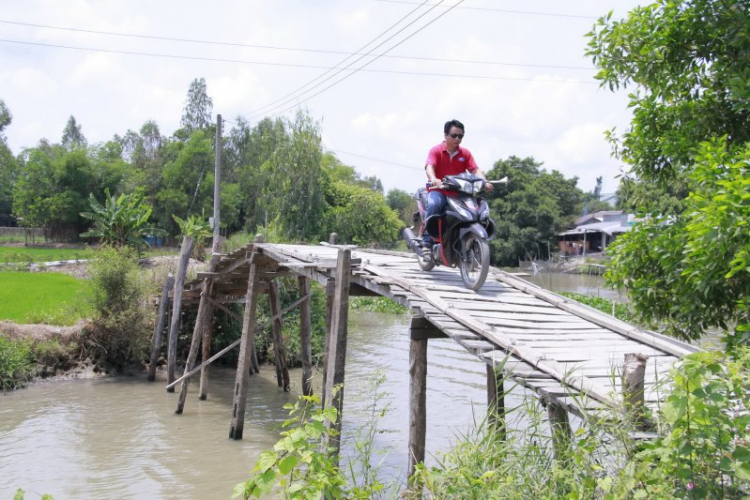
[
  {"x": 174, "y": 329},
  {"x": 279, "y": 352},
  {"x": 337, "y": 350},
  {"x": 496, "y": 400},
  {"x": 247, "y": 346},
  {"x": 560, "y": 429},
  {"x": 417, "y": 400},
  {"x": 305, "y": 333},
  {"x": 161, "y": 321},
  {"x": 633, "y": 385}
]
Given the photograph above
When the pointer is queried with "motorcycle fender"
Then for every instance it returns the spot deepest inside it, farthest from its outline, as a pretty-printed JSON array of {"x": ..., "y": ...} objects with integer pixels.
[{"x": 476, "y": 228}]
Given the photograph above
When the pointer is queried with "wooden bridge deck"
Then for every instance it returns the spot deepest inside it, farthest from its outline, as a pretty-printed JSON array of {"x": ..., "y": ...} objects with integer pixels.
[{"x": 566, "y": 352}]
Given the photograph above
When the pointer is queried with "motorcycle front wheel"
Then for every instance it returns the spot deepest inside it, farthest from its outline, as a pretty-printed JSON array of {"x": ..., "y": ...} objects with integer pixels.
[
  {"x": 425, "y": 264},
  {"x": 474, "y": 269}
]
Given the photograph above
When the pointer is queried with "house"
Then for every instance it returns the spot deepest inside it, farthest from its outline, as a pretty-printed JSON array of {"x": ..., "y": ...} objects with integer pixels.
[{"x": 593, "y": 232}]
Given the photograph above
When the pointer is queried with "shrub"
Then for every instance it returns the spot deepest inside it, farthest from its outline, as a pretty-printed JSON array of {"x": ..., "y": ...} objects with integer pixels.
[
  {"x": 119, "y": 333},
  {"x": 16, "y": 363}
]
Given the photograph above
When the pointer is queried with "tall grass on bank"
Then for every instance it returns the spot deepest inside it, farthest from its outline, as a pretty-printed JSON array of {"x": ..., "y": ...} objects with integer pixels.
[{"x": 52, "y": 298}]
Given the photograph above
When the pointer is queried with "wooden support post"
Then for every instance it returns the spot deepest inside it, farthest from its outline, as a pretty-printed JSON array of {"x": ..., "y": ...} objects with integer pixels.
[
  {"x": 560, "y": 429},
  {"x": 496, "y": 400},
  {"x": 202, "y": 320},
  {"x": 282, "y": 372},
  {"x": 174, "y": 328},
  {"x": 242, "y": 379},
  {"x": 161, "y": 321},
  {"x": 417, "y": 402},
  {"x": 305, "y": 333},
  {"x": 330, "y": 292},
  {"x": 209, "y": 314},
  {"x": 337, "y": 350},
  {"x": 633, "y": 385},
  {"x": 333, "y": 239}
]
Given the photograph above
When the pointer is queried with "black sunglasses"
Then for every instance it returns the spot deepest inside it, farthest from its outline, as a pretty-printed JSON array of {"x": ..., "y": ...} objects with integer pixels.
[{"x": 457, "y": 136}]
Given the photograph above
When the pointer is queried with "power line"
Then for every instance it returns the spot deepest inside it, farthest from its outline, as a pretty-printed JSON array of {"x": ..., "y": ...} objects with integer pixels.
[
  {"x": 298, "y": 92},
  {"x": 374, "y": 159},
  {"x": 288, "y": 65},
  {"x": 373, "y": 60},
  {"x": 505, "y": 11},
  {"x": 289, "y": 49}
]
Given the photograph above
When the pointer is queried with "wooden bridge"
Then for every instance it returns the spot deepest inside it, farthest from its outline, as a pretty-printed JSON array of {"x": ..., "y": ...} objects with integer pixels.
[{"x": 574, "y": 357}]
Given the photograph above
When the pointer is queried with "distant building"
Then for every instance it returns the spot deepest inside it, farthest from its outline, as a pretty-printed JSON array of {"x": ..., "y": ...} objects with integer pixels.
[{"x": 593, "y": 232}]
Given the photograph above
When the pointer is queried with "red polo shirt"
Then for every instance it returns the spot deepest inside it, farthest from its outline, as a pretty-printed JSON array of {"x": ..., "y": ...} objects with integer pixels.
[{"x": 445, "y": 164}]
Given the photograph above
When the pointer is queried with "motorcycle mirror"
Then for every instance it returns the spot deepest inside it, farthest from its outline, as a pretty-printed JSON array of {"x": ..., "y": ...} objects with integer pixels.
[{"x": 504, "y": 180}]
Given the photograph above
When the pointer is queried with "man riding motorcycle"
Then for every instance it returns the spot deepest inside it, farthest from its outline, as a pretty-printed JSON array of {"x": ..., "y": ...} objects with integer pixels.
[{"x": 447, "y": 158}]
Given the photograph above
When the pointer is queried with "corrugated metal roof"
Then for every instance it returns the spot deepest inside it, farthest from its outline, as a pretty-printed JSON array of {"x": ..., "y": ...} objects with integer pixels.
[{"x": 609, "y": 228}]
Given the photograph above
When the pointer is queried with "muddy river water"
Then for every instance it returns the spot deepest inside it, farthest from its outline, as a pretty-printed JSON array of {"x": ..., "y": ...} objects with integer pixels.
[{"x": 119, "y": 437}]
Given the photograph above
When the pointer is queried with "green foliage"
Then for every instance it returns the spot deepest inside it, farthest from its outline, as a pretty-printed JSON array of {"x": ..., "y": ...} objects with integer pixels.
[
  {"x": 360, "y": 215},
  {"x": 198, "y": 228},
  {"x": 691, "y": 272},
  {"x": 297, "y": 464},
  {"x": 704, "y": 447},
  {"x": 621, "y": 311},
  {"x": 52, "y": 298},
  {"x": 72, "y": 136},
  {"x": 16, "y": 363},
  {"x": 530, "y": 210},
  {"x": 196, "y": 114},
  {"x": 300, "y": 467},
  {"x": 377, "y": 304},
  {"x": 121, "y": 221},
  {"x": 403, "y": 203},
  {"x": 689, "y": 64},
  {"x": 120, "y": 330}
]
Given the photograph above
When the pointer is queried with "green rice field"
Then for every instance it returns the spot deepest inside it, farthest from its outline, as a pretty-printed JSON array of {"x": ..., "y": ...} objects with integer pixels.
[
  {"x": 52, "y": 298},
  {"x": 25, "y": 255}
]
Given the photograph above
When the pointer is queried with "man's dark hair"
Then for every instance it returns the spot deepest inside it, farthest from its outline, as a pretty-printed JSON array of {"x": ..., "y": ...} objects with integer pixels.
[{"x": 453, "y": 123}]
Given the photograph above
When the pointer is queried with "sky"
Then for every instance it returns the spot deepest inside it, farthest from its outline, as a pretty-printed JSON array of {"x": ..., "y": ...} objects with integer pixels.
[{"x": 515, "y": 73}]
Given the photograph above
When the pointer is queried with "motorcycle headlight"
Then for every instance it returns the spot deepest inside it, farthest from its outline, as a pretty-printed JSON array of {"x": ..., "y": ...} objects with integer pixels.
[{"x": 465, "y": 186}]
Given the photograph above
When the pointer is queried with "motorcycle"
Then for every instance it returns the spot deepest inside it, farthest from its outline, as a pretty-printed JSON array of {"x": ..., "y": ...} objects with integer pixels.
[{"x": 463, "y": 230}]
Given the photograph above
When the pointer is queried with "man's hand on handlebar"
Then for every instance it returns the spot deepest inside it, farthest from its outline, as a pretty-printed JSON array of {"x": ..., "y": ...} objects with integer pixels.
[{"x": 488, "y": 186}]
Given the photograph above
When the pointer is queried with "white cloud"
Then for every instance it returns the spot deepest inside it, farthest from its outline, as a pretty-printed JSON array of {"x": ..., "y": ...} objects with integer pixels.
[
  {"x": 95, "y": 68},
  {"x": 32, "y": 82}
]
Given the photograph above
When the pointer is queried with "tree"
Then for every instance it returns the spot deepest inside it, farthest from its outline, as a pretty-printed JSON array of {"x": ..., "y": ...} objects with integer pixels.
[
  {"x": 360, "y": 215},
  {"x": 8, "y": 168},
  {"x": 121, "y": 221},
  {"x": 403, "y": 203},
  {"x": 5, "y": 118},
  {"x": 196, "y": 114},
  {"x": 688, "y": 136},
  {"x": 72, "y": 136},
  {"x": 530, "y": 210}
]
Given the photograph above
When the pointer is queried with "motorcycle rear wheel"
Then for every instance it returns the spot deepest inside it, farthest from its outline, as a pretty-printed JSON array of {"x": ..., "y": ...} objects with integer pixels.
[{"x": 477, "y": 264}]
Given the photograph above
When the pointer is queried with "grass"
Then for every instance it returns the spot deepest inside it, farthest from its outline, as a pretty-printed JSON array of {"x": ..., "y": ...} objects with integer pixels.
[
  {"x": 25, "y": 255},
  {"x": 42, "y": 298}
]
